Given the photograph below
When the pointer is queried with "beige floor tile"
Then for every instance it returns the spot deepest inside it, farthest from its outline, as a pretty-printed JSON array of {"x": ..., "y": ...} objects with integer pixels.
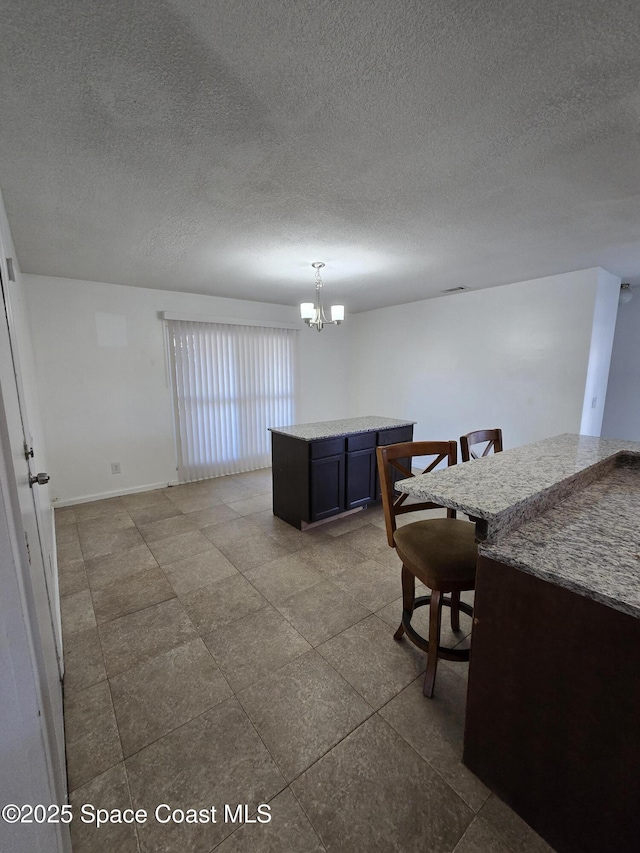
[
  {"x": 372, "y": 661},
  {"x": 287, "y": 535},
  {"x": 104, "y": 524},
  {"x": 236, "y": 530},
  {"x": 371, "y": 583},
  {"x": 83, "y": 661},
  {"x": 109, "y": 791},
  {"x": 251, "y": 505},
  {"x": 302, "y": 710},
  {"x": 245, "y": 544},
  {"x": 211, "y": 515},
  {"x": 63, "y": 516},
  {"x": 92, "y": 740},
  {"x": 110, "y": 568},
  {"x": 69, "y": 551},
  {"x": 76, "y": 612},
  {"x": 229, "y": 489},
  {"x": 258, "y": 481},
  {"x": 132, "y": 593},
  {"x": 480, "y": 838},
  {"x": 253, "y": 551},
  {"x": 216, "y": 758},
  {"x": 363, "y": 796},
  {"x": 321, "y": 611},
  {"x": 166, "y": 528},
  {"x": 332, "y": 556},
  {"x": 195, "y": 499},
  {"x": 154, "y": 512},
  {"x": 155, "y": 698},
  {"x": 512, "y": 830},
  {"x": 97, "y": 509},
  {"x": 435, "y": 729},
  {"x": 111, "y": 543},
  {"x": 198, "y": 570},
  {"x": 349, "y": 522},
  {"x": 144, "y": 499},
  {"x": 67, "y": 534},
  {"x": 278, "y": 579},
  {"x": 72, "y": 577},
  {"x": 178, "y": 547},
  {"x": 368, "y": 539},
  {"x": 288, "y": 831},
  {"x": 252, "y": 647},
  {"x": 218, "y": 604},
  {"x": 134, "y": 639},
  {"x": 372, "y": 541}
]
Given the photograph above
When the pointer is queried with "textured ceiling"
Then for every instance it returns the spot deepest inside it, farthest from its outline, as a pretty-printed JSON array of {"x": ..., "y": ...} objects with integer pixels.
[{"x": 221, "y": 146}]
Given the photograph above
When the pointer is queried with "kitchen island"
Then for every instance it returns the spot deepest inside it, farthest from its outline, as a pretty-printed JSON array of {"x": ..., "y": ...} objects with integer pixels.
[
  {"x": 328, "y": 468},
  {"x": 554, "y": 680}
]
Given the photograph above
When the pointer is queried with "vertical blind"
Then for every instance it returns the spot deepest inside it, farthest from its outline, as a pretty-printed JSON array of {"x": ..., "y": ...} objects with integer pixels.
[{"x": 231, "y": 383}]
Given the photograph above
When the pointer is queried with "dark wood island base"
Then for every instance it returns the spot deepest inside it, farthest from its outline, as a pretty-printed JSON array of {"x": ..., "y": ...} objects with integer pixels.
[
  {"x": 553, "y": 710},
  {"x": 326, "y": 469}
]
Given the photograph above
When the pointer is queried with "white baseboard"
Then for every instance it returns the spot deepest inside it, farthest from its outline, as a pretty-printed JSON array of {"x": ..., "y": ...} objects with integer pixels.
[{"x": 116, "y": 494}]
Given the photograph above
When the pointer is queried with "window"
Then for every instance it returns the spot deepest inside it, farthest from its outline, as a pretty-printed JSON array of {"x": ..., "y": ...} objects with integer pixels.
[{"x": 231, "y": 383}]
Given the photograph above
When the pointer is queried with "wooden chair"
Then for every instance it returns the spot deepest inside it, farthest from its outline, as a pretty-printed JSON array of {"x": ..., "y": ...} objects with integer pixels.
[
  {"x": 468, "y": 441},
  {"x": 440, "y": 552}
]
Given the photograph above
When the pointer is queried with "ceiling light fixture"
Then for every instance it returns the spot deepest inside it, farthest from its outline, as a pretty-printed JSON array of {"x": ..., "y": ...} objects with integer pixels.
[
  {"x": 626, "y": 294},
  {"x": 313, "y": 314}
]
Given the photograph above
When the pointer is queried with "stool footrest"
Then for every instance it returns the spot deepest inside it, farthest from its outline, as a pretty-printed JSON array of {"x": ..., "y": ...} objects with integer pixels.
[{"x": 417, "y": 639}]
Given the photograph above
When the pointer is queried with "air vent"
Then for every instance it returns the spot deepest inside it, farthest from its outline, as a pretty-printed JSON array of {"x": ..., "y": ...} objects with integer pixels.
[{"x": 454, "y": 289}]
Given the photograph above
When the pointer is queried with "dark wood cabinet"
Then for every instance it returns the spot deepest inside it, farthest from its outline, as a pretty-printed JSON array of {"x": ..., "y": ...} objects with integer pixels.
[
  {"x": 361, "y": 478},
  {"x": 327, "y": 483},
  {"x": 315, "y": 479}
]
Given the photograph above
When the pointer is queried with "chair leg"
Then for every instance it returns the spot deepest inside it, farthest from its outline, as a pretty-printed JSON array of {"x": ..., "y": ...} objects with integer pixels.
[
  {"x": 455, "y": 611},
  {"x": 408, "y": 597},
  {"x": 435, "y": 614}
]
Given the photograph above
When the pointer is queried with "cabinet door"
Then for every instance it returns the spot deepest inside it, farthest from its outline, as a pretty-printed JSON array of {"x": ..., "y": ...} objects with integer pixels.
[
  {"x": 327, "y": 486},
  {"x": 361, "y": 477}
]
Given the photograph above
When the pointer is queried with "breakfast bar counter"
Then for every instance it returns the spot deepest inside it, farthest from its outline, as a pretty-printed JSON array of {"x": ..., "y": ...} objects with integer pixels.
[{"x": 554, "y": 679}]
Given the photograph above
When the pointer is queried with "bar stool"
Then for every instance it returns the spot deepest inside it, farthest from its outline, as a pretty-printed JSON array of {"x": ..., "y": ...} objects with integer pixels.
[
  {"x": 468, "y": 441},
  {"x": 440, "y": 552}
]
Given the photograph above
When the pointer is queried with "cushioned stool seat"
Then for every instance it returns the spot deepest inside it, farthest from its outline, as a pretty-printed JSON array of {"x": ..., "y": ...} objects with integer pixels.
[{"x": 439, "y": 550}]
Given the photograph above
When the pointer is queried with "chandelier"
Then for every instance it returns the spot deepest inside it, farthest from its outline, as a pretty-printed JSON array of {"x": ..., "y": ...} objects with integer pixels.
[{"x": 313, "y": 313}]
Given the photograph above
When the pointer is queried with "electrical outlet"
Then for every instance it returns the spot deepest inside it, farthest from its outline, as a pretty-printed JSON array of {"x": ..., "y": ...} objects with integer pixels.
[{"x": 115, "y": 468}]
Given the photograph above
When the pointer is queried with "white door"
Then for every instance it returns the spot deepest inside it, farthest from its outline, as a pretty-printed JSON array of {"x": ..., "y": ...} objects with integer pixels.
[{"x": 40, "y": 582}]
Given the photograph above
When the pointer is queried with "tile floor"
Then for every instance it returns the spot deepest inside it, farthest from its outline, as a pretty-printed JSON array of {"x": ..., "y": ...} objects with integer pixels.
[{"x": 215, "y": 655}]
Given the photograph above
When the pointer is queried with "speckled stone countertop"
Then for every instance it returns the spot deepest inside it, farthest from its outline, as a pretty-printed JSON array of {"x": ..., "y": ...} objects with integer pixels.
[
  {"x": 331, "y": 429},
  {"x": 508, "y": 488},
  {"x": 565, "y": 509},
  {"x": 588, "y": 543}
]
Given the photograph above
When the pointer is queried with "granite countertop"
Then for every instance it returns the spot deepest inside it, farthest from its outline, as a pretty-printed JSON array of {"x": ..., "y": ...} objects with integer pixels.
[
  {"x": 331, "y": 429},
  {"x": 589, "y": 543},
  {"x": 507, "y": 488},
  {"x": 559, "y": 509}
]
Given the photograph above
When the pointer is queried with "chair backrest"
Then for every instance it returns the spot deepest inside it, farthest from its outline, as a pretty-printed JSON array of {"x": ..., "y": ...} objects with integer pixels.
[
  {"x": 398, "y": 458},
  {"x": 468, "y": 441}
]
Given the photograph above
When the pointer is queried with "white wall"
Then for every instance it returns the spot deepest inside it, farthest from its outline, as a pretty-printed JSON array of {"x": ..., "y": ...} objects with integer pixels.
[
  {"x": 104, "y": 404},
  {"x": 523, "y": 356},
  {"x": 514, "y": 356},
  {"x": 622, "y": 408}
]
